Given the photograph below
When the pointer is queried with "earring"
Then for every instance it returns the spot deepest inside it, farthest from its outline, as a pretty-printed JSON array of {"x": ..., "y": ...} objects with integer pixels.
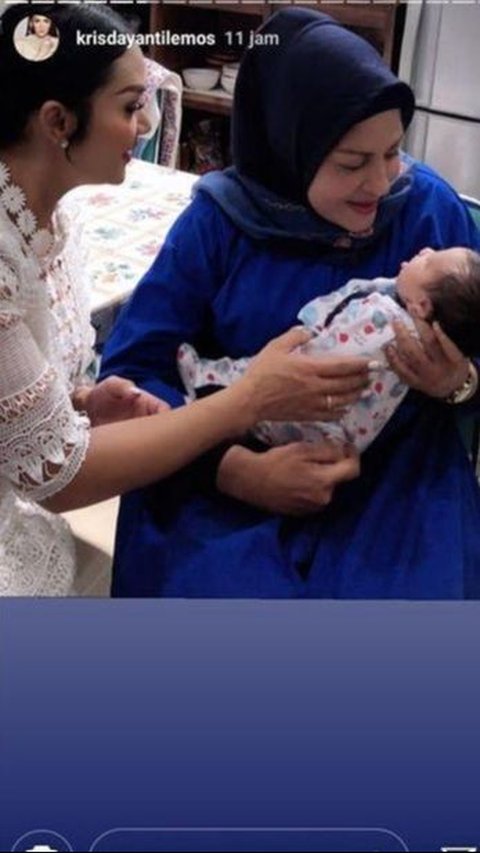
[{"x": 64, "y": 143}]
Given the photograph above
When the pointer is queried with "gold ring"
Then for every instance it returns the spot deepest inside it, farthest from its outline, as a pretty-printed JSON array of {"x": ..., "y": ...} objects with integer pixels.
[{"x": 329, "y": 402}]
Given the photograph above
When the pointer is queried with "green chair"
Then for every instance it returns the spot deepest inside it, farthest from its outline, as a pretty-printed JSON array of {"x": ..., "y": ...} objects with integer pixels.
[{"x": 470, "y": 427}]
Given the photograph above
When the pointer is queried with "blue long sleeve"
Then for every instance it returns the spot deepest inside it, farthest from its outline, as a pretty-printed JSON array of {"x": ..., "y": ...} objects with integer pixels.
[{"x": 170, "y": 305}]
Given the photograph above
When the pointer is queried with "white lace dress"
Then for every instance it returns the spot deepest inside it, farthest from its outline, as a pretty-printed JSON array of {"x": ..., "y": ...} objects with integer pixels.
[{"x": 45, "y": 348}]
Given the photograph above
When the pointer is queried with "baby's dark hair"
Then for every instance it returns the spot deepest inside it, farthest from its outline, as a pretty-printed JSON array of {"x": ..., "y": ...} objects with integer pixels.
[
  {"x": 71, "y": 75},
  {"x": 456, "y": 305}
]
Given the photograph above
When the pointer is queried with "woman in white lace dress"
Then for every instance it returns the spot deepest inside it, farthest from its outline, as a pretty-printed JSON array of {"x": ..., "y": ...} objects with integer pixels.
[{"x": 69, "y": 120}]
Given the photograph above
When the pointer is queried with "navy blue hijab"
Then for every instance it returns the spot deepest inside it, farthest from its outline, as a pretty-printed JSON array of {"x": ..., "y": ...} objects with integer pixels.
[{"x": 293, "y": 102}]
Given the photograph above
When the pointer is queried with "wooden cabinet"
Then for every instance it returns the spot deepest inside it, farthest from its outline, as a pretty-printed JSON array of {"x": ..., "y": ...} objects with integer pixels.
[{"x": 221, "y": 25}]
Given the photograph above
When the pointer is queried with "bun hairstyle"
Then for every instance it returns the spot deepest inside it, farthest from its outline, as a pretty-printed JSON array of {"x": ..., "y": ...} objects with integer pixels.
[{"x": 71, "y": 75}]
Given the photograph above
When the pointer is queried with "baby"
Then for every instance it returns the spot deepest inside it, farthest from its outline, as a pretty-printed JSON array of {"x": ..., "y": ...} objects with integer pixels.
[{"x": 357, "y": 320}]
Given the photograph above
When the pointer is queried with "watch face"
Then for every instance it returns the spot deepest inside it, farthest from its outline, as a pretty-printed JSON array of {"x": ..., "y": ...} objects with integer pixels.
[{"x": 468, "y": 389}]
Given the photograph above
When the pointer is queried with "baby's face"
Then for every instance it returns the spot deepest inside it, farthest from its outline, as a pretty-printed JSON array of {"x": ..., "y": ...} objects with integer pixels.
[{"x": 417, "y": 276}]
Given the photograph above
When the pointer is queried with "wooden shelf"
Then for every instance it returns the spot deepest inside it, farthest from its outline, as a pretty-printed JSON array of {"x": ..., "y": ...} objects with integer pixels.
[{"x": 214, "y": 101}]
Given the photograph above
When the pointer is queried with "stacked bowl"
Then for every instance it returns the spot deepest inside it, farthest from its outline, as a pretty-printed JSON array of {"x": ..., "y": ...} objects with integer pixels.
[
  {"x": 201, "y": 79},
  {"x": 229, "y": 76}
]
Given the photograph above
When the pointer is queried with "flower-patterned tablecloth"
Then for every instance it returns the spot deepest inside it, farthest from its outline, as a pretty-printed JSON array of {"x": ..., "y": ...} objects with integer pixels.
[{"x": 124, "y": 226}]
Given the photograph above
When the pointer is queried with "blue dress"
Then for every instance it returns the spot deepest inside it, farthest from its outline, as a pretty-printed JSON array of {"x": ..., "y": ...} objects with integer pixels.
[{"x": 408, "y": 527}]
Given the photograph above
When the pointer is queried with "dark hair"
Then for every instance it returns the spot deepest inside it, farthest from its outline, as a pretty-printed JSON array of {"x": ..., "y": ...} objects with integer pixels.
[
  {"x": 52, "y": 30},
  {"x": 71, "y": 75},
  {"x": 456, "y": 306}
]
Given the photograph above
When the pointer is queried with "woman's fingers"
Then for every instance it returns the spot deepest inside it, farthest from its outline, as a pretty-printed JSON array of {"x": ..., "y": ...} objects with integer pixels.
[
  {"x": 345, "y": 388},
  {"x": 449, "y": 349},
  {"x": 148, "y": 404},
  {"x": 332, "y": 408},
  {"x": 328, "y": 476},
  {"x": 328, "y": 402},
  {"x": 428, "y": 338},
  {"x": 400, "y": 367},
  {"x": 339, "y": 367},
  {"x": 343, "y": 470},
  {"x": 409, "y": 349},
  {"x": 327, "y": 365},
  {"x": 290, "y": 340},
  {"x": 436, "y": 343},
  {"x": 322, "y": 451},
  {"x": 320, "y": 467},
  {"x": 342, "y": 387},
  {"x": 406, "y": 369},
  {"x": 118, "y": 387}
]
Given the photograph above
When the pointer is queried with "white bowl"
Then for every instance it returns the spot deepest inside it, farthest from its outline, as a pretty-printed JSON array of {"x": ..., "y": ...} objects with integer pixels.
[
  {"x": 228, "y": 83},
  {"x": 201, "y": 78},
  {"x": 231, "y": 69}
]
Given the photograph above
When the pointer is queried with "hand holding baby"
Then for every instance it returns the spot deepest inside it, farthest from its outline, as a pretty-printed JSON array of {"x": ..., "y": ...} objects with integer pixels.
[{"x": 432, "y": 364}]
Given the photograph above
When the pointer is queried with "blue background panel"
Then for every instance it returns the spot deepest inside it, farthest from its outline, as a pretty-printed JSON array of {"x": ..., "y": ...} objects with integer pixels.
[{"x": 181, "y": 714}]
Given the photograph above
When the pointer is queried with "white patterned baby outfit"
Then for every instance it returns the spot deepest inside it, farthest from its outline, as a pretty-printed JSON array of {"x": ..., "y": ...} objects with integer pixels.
[
  {"x": 355, "y": 320},
  {"x": 45, "y": 349}
]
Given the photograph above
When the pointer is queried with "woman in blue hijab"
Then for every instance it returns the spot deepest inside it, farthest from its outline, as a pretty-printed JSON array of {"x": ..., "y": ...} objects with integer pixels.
[{"x": 319, "y": 193}]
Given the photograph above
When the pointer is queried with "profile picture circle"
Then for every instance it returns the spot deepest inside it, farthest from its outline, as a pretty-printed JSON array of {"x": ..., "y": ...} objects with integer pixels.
[{"x": 36, "y": 38}]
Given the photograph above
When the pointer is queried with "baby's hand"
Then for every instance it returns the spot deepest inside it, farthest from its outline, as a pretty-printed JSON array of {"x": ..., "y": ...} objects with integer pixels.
[{"x": 117, "y": 399}]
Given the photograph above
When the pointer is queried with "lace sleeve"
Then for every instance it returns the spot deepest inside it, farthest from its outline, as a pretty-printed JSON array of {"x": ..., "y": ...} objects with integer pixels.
[
  {"x": 71, "y": 270},
  {"x": 43, "y": 441}
]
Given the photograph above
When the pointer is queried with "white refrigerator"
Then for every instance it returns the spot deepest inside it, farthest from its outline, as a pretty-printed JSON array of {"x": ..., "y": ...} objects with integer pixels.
[{"x": 440, "y": 58}]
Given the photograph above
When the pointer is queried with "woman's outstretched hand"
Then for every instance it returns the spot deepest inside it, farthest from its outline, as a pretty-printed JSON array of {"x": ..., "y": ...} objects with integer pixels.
[
  {"x": 117, "y": 399},
  {"x": 296, "y": 479},
  {"x": 432, "y": 364},
  {"x": 287, "y": 385}
]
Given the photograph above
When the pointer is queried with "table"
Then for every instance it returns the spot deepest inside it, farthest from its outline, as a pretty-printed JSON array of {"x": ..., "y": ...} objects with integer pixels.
[{"x": 124, "y": 227}]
